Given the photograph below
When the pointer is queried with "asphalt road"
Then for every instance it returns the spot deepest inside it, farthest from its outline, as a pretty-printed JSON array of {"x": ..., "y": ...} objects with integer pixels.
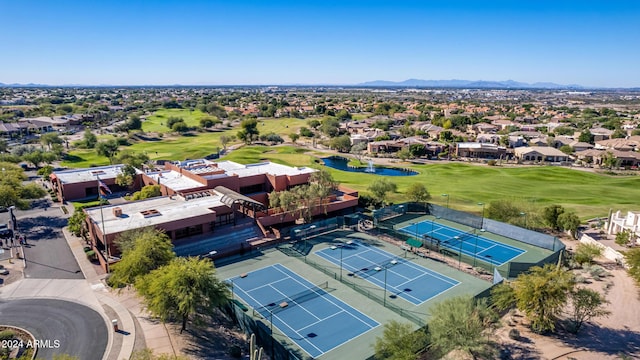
[
  {"x": 79, "y": 330},
  {"x": 47, "y": 254}
]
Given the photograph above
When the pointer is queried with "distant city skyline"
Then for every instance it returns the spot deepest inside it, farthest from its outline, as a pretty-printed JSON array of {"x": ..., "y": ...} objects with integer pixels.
[{"x": 165, "y": 42}]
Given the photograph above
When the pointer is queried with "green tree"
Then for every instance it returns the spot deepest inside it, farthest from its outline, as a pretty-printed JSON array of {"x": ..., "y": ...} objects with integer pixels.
[
  {"x": 458, "y": 324},
  {"x": 49, "y": 139},
  {"x": 343, "y": 114},
  {"x": 585, "y": 253},
  {"x": 134, "y": 123},
  {"x": 358, "y": 150},
  {"x": 151, "y": 249},
  {"x": 107, "y": 149},
  {"x": 542, "y": 293},
  {"x": 184, "y": 287},
  {"x": 4, "y": 146},
  {"x": 126, "y": 176},
  {"x": 586, "y": 137},
  {"x": 132, "y": 159},
  {"x": 173, "y": 120},
  {"x": 180, "y": 127},
  {"x": 225, "y": 139},
  {"x": 75, "y": 223},
  {"x": 380, "y": 187},
  {"x": 45, "y": 171},
  {"x": 503, "y": 297},
  {"x": 403, "y": 154},
  {"x": 623, "y": 237},
  {"x": 632, "y": 259},
  {"x": 586, "y": 304},
  {"x": 504, "y": 210},
  {"x": 294, "y": 137},
  {"x": 609, "y": 160},
  {"x": 550, "y": 215},
  {"x": 147, "y": 192},
  {"x": 249, "y": 132},
  {"x": 34, "y": 157},
  {"x": 399, "y": 342},
  {"x": 417, "y": 192},
  {"x": 90, "y": 139},
  {"x": 567, "y": 149},
  {"x": 341, "y": 143},
  {"x": 206, "y": 122},
  {"x": 570, "y": 222}
]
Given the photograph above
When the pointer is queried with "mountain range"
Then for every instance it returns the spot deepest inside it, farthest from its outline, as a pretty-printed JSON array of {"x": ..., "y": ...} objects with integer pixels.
[
  {"x": 507, "y": 84},
  {"x": 454, "y": 83}
]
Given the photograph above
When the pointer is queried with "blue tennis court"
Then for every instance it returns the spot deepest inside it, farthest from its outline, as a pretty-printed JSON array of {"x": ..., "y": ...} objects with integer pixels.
[
  {"x": 310, "y": 316},
  {"x": 469, "y": 243},
  {"x": 399, "y": 276}
]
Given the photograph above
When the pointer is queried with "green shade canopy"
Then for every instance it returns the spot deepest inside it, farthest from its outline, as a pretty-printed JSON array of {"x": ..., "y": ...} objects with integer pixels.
[{"x": 414, "y": 242}]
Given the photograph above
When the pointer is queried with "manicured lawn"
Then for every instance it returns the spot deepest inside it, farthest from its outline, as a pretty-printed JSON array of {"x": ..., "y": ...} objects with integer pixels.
[
  {"x": 589, "y": 194},
  {"x": 158, "y": 121}
]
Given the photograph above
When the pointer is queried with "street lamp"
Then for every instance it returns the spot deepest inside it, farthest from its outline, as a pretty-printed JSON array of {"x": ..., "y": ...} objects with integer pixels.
[
  {"x": 482, "y": 224},
  {"x": 525, "y": 218},
  {"x": 447, "y": 196}
]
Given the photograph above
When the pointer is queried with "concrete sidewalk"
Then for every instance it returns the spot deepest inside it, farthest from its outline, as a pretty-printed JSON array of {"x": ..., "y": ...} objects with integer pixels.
[{"x": 126, "y": 305}]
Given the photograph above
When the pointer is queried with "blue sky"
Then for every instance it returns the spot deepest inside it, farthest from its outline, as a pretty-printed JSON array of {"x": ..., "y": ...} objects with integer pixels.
[{"x": 592, "y": 43}]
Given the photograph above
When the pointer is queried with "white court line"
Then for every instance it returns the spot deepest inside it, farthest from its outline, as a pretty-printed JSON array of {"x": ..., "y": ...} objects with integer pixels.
[
  {"x": 297, "y": 303},
  {"x": 268, "y": 284},
  {"x": 320, "y": 320},
  {"x": 423, "y": 269},
  {"x": 285, "y": 324}
]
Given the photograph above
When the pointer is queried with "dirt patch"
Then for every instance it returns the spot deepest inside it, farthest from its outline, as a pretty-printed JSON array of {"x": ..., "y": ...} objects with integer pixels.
[
  {"x": 614, "y": 337},
  {"x": 211, "y": 340}
]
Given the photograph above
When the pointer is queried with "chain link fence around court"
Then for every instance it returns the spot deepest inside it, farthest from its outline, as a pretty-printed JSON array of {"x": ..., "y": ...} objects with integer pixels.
[
  {"x": 373, "y": 293},
  {"x": 264, "y": 337},
  {"x": 318, "y": 227},
  {"x": 388, "y": 219}
]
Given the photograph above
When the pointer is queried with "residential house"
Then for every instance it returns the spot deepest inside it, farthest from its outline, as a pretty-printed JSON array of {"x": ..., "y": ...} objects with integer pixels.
[
  {"x": 477, "y": 150},
  {"x": 631, "y": 143},
  {"x": 580, "y": 146},
  {"x": 488, "y": 138},
  {"x": 540, "y": 153},
  {"x": 601, "y": 133},
  {"x": 617, "y": 222}
]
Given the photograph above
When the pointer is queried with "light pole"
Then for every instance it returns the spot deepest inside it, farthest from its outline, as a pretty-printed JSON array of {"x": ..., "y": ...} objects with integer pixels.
[
  {"x": 447, "y": 196},
  {"x": 341, "y": 246},
  {"x": 460, "y": 251},
  {"x": 525, "y": 218},
  {"x": 306, "y": 236},
  {"x": 475, "y": 251},
  {"x": 385, "y": 267},
  {"x": 482, "y": 224}
]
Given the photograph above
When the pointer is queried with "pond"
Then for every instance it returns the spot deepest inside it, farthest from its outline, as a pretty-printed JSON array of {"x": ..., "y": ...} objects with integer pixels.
[{"x": 341, "y": 163}]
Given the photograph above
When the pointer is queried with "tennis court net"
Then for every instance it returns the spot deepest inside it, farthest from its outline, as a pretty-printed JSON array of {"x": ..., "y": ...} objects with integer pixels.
[
  {"x": 458, "y": 239},
  {"x": 291, "y": 300}
]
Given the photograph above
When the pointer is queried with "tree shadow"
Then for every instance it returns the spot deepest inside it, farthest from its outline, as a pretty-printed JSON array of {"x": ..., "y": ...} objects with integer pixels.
[
  {"x": 602, "y": 339},
  {"x": 41, "y": 227}
]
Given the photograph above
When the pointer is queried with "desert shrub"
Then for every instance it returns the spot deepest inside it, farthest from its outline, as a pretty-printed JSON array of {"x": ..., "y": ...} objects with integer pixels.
[{"x": 514, "y": 334}]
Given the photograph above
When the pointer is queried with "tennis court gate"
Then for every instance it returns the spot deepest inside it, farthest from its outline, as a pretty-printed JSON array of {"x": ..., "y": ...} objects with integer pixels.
[{"x": 270, "y": 344}]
